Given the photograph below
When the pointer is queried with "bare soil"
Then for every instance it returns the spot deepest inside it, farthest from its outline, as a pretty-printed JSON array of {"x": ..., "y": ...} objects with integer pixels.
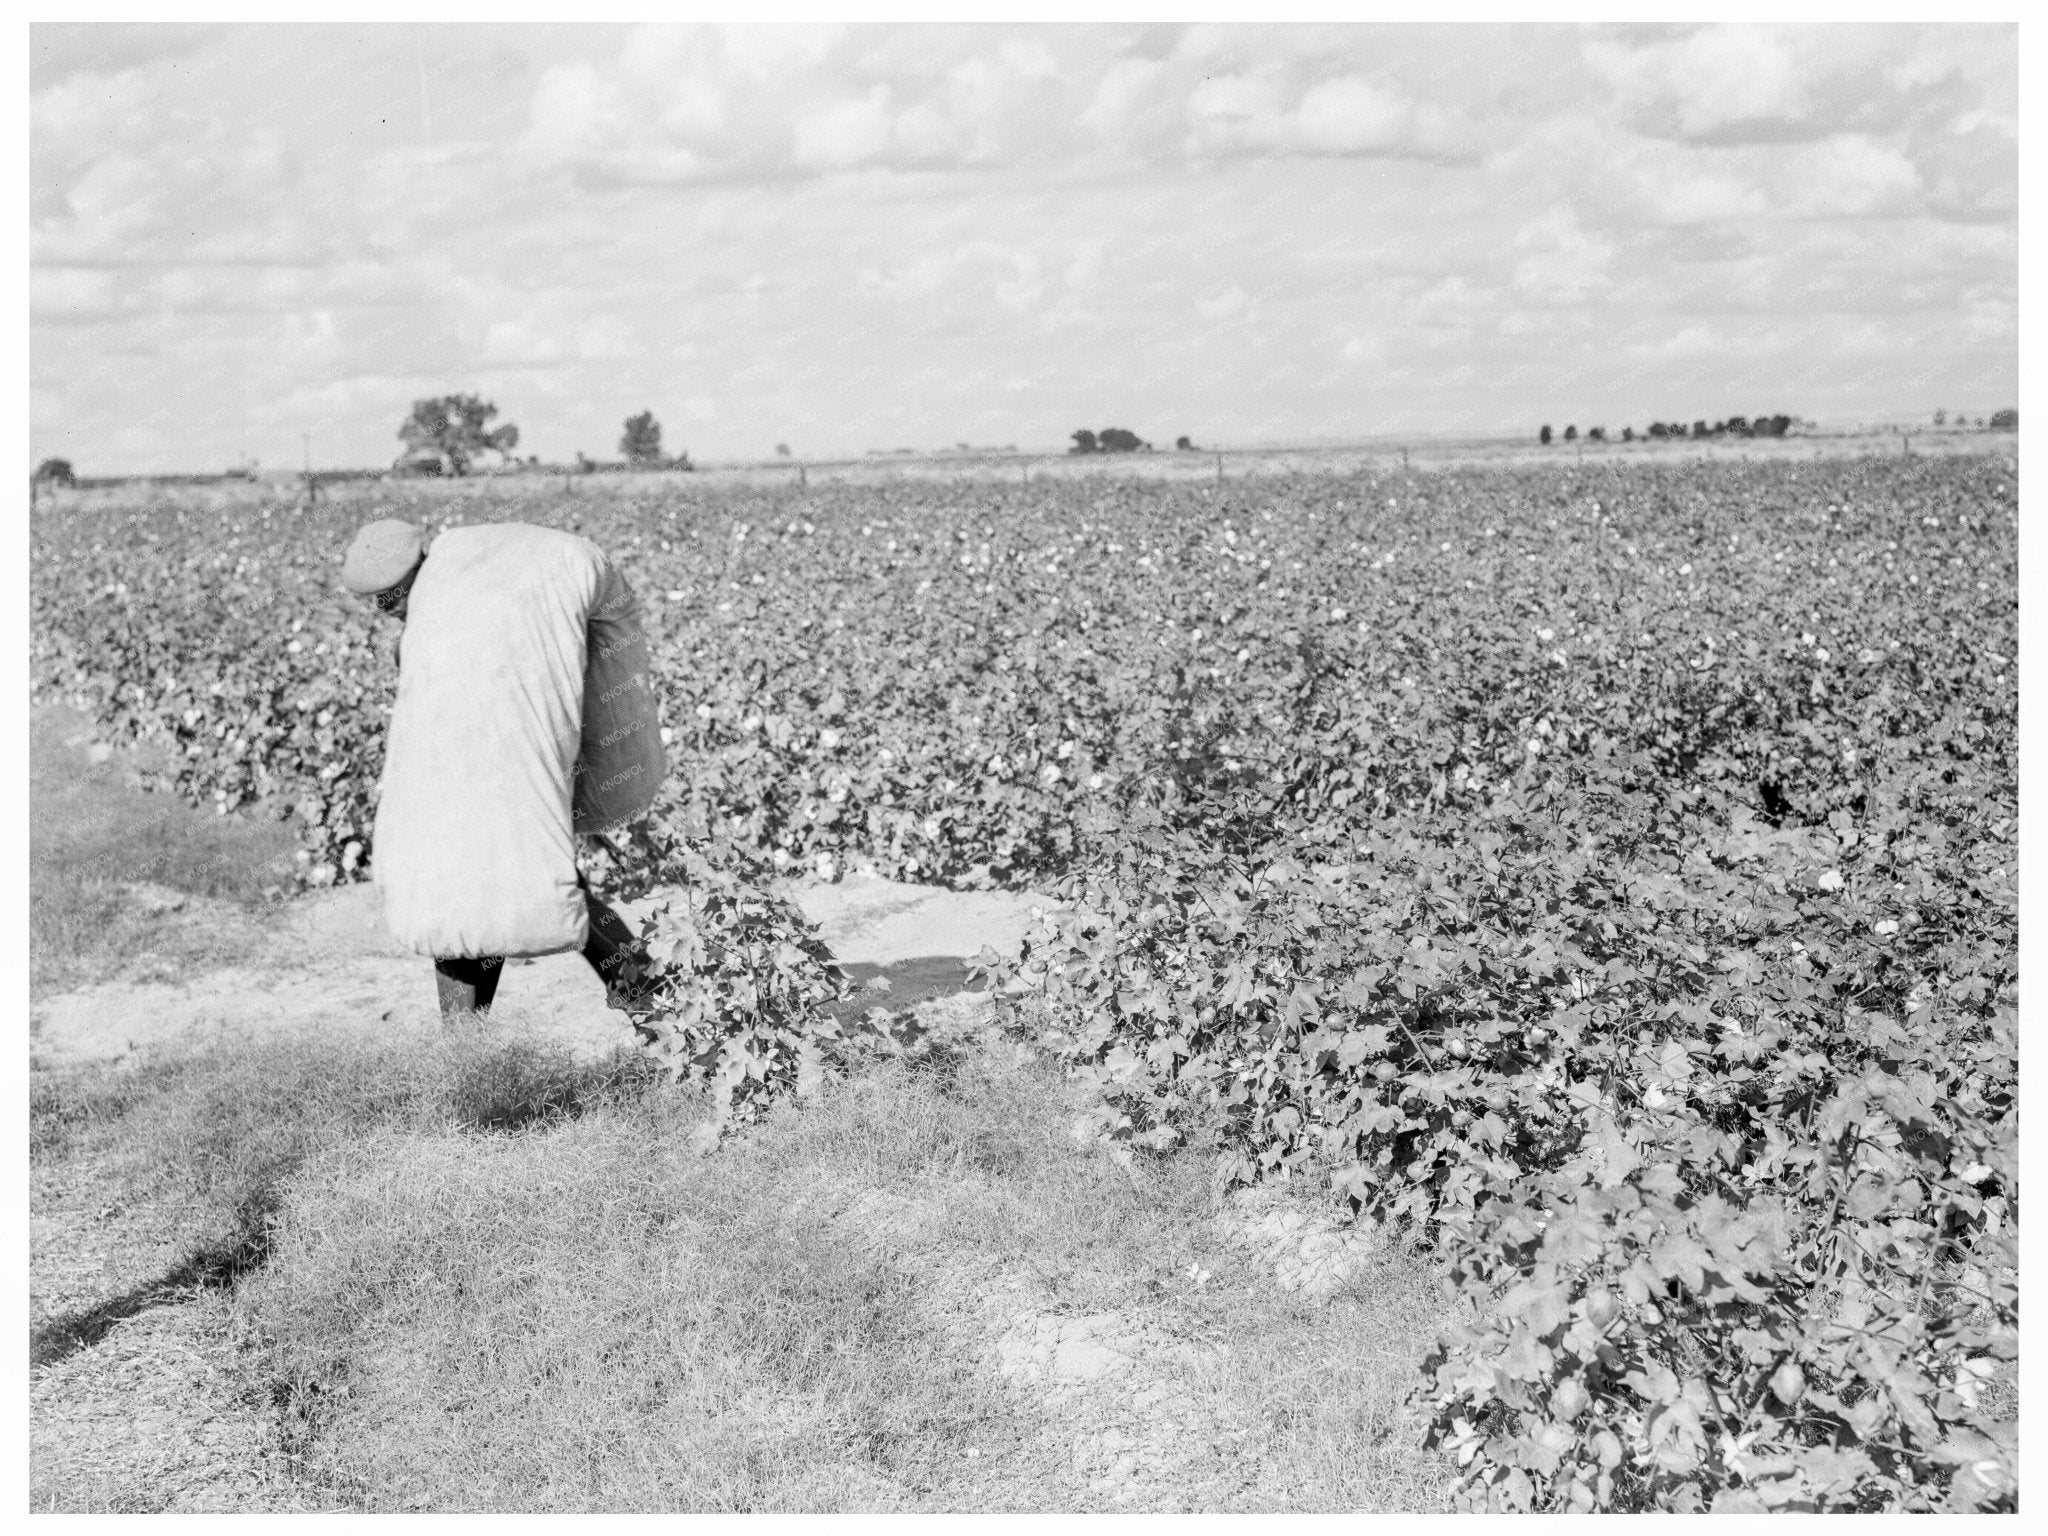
[{"x": 326, "y": 963}]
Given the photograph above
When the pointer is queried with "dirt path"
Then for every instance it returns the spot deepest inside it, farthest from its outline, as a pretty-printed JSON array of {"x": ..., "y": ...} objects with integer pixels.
[{"x": 329, "y": 965}]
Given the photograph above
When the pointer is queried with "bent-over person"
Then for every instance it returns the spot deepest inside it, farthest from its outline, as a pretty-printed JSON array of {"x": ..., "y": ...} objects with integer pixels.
[{"x": 524, "y": 717}]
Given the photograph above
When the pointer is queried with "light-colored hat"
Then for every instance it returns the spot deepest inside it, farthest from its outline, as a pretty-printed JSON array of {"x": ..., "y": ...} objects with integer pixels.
[{"x": 383, "y": 553}]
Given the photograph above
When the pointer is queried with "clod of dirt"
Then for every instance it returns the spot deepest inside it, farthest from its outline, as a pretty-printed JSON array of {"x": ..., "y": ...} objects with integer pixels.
[{"x": 1068, "y": 1349}]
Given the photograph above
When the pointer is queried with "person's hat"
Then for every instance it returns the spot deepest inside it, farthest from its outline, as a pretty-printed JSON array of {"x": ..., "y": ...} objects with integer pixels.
[{"x": 383, "y": 553}]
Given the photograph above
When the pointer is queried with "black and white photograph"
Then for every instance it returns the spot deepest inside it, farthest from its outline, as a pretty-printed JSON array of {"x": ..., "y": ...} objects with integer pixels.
[{"x": 866, "y": 766}]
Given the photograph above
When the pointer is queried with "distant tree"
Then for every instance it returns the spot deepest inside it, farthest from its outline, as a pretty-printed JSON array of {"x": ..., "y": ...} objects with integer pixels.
[
  {"x": 1117, "y": 440},
  {"x": 782, "y": 450},
  {"x": 1084, "y": 442},
  {"x": 1699, "y": 429},
  {"x": 1628, "y": 434},
  {"x": 1940, "y": 417},
  {"x": 55, "y": 472},
  {"x": 1183, "y": 444},
  {"x": 641, "y": 442},
  {"x": 1773, "y": 426},
  {"x": 2007, "y": 420},
  {"x": 1596, "y": 434},
  {"x": 1570, "y": 433},
  {"x": 453, "y": 430},
  {"x": 1543, "y": 437},
  {"x": 1656, "y": 429}
]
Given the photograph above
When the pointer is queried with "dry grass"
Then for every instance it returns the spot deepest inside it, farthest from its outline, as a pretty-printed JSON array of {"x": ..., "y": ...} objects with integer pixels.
[
  {"x": 591, "y": 1315},
  {"x": 476, "y": 1275}
]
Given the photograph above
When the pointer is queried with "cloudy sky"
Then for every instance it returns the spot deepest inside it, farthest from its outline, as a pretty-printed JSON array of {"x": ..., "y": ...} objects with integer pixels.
[{"x": 872, "y": 237}]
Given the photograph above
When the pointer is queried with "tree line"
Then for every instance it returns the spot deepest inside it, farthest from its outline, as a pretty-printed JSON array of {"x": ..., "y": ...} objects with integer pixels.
[
  {"x": 1120, "y": 440},
  {"x": 2007, "y": 420},
  {"x": 449, "y": 434},
  {"x": 1734, "y": 426}
]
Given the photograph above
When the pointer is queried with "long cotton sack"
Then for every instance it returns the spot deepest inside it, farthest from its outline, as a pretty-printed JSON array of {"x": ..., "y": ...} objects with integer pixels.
[
  {"x": 475, "y": 853},
  {"x": 622, "y": 762}
]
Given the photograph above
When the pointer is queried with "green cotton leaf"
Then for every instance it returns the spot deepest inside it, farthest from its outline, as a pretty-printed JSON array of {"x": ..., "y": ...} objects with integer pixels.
[
  {"x": 1613, "y": 1150},
  {"x": 1574, "y": 1236},
  {"x": 1673, "y": 1065},
  {"x": 1121, "y": 1064},
  {"x": 1868, "y": 1197},
  {"x": 1539, "y": 1306},
  {"x": 1526, "y": 1358}
]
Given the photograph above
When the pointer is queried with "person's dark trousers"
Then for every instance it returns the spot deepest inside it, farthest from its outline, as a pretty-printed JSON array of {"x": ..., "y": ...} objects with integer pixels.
[{"x": 468, "y": 984}]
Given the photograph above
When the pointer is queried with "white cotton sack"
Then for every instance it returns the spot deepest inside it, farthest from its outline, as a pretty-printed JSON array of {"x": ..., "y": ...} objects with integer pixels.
[{"x": 475, "y": 852}]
